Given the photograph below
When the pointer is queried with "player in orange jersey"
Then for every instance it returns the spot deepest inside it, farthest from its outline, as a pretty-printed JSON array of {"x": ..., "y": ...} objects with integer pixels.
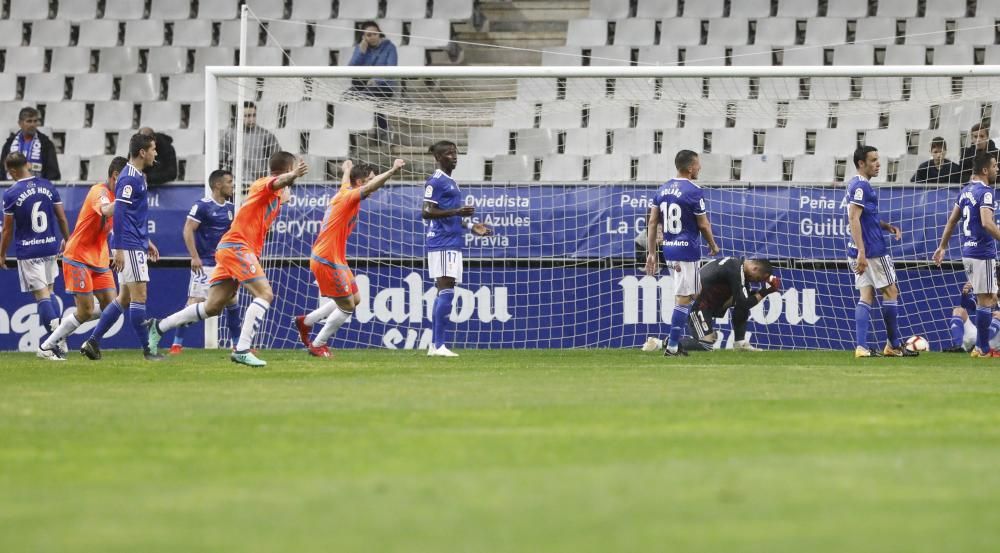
[
  {"x": 329, "y": 255},
  {"x": 86, "y": 261},
  {"x": 237, "y": 260}
]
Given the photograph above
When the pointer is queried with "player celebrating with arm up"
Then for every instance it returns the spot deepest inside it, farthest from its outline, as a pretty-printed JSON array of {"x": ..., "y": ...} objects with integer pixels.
[
  {"x": 975, "y": 206},
  {"x": 868, "y": 257},
  {"x": 443, "y": 208},
  {"x": 237, "y": 260},
  {"x": 329, "y": 255},
  {"x": 681, "y": 204}
]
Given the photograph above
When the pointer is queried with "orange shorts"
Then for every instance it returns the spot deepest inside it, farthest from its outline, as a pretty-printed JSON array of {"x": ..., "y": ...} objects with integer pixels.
[
  {"x": 84, "y": 279},
  {"x": 236, "y": 262},
  {"x": 335, "y": 280}
]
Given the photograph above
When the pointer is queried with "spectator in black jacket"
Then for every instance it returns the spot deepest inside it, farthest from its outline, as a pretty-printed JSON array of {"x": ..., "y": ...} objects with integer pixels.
[
  {"x": 165, "y": 168},
  {"x": 938, "y": 169},
  {"x": 37, "y": 148},
  {"x": 979, "y": 139}
]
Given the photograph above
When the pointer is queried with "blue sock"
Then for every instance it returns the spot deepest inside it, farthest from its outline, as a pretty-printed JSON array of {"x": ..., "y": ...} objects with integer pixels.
[
  {"x": 46, "y": 312},
  {"x": 108, "y": 319},
  {"x": 677, "y": 323},
  {"x": 233, "y": 322},
  {"x": 984, "y": 315},
  {"x": 136, "y": 315},
  {"x": 442, "y": 310},
  {"x": 957, "y": 327},
  {"x": 862, "y": 323},
  {"x": 890, "y": 312},
  {"x": 994, "y": 329},
  {"x": 179, "y": 335}
]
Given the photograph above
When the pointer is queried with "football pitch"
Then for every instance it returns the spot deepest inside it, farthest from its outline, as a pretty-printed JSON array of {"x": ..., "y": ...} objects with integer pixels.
[{"x": 596, "y": 450}]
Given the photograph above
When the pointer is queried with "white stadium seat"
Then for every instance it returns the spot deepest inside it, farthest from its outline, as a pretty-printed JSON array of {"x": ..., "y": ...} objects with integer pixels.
[
  {"x": 785, "y": 142},
  {"x": 954, "y": 54},
  {"x": 778, "y": 88},
  {"x": 883, "y": 88},
  {"x": 735, "y": 142},
  {"x": 85, "y": 142},
  {"x": 65, "y": 115},
  {"x": 608, "y": 9},
  {"x": 194, "y": 168},
  {"x": 972, "y": 32},
  {"x": 287, "y": 34},
  {"x": 687, "y": 138},
  {"x": 330, "y": 142},
  {"x": 610, "y": 168},
  {"x": 8, "y": 87},
  {"x": 608, "y": 116},
  {"x": 925, "y": 30},
  {"x": 45, "y": 87},
  {"x": 69, "y": 167},
  {"x": 715, "y": 167},
  {"x": 801, "y": 9},
  {"x": 219, "y": 9},
  {"x": 267, "y": 9},
  {"x": 909, "y": 115},
  {"x": 334, "y": 34},
  {"x": 537, "y": 90},
  {"x": 166, "y": 60},
  {"x": 27, "y": 59},
  {"x": 188, "y": 142},
  {"x": 562, "y": 168},
  {"x": 11, "y": 33},
  {"x": 586, "y": 142},
  {"x": 488, "y": 141},
  {"x": 897, "y": 8},
  {"x": 70, "y": 60},
  {"x": 813, "y": 168},
  {"x": 728, "y": 88},
  {"x": 170, "y": 10},
  {"x": 750, "y": 8},
  {"x": 512, "y": 168},
  {"x": 942, "y": 9},
  {"x": 807, "y": 114},
  {"x": 406, "y": 9},
  {"x": 728, "y": 31},
  {"x": 352, "y": 117},
  {"x": 455, "y": 10},
  {"x": 633, "y": 142},
  {"x": 430, "y": 33},
  {"x": 513, "y": 114},
  {"x": 754, "y": 55},
  {"x": 762, "y": 168},
  {"x": 776, "y": 31},
  {"x": 610, "y": 55},
  {"x": 78, "y": 10},
  {"x": 144, "y": 34},
  {"x": 585, "y": 89},
  {"x": 858, "y": 114},
  {"x": 905, "y": 54},
  {"x": 705, "y": 55},
  {"x": 587, "y": 32},
  {"x": 680, "y": 32},
  {"x": 31, "y": 10},
  {"x": 186, "y": 88},
  {"x": 314, "y": 55},
  {"x": 125, "y": 9},
  {"x": 49, "y": 33},
  {"x": 836, "y": 142},
  {"x": 848, "y": 8},
  {"x": 756, "y": 114},
  {"x": 357, "y": 9},
  {"x": 875, "y": 30},
  {"x": 93, "y": 87},
  {"x": 312, "y": 10},
  {"x": 562, "y": 55},
  {"x": 961, "y": 115},
  {"x": 142, "y": 87},
  {"x": 561, "y": 115},
  {"x": 635, "y": 32},
  {"x": 414, "y": 56},
  {"x": 825, "y": 31},
  {"x": 212, "y": 56},
  {"x": 890, "y": 142},
  {"x": 119, "y": 60},
  {"x": 265, "y": 55},
  {"x": 802, "y": 55},
  {"x": 657, "y": 9},
  {"x": 854, "y": 54},
  {"x": 470, "y": 168},
  {"x": 704, "y": 8},
  {"x": 160, "y": 115},
  {"x": 99, "y": 34},
  {"x": 535, "y": 142}
]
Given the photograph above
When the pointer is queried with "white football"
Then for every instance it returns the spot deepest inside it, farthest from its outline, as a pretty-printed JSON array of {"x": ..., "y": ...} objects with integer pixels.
[{"x": 917, "y": 343}]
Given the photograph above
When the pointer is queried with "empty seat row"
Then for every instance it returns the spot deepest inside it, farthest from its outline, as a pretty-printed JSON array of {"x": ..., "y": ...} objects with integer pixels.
[{"x": 614, "y": 9}]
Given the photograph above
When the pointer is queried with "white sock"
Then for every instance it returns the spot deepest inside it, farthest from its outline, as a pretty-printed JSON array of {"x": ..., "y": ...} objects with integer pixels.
[
  {"x": 333, "y": 322},
  {"x": 320, "y": 313},
  {"x": 65, "y": 328},
  {"x": 251, "y": 320},
  {"x": 190, "y": 314}
]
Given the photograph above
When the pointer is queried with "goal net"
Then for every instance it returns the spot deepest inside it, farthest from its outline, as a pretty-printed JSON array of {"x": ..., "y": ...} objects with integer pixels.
[{"x": 563, "y": 162}]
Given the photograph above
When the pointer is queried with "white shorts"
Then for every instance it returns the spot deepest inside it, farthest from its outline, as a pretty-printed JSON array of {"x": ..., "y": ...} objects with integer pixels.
[
  {"x": 445, "y": 264},
  {"x": 878, "y": 275},
  {"x": 687, "y": 278},
  {"x": 136, "y": 269},
  {"x": 199, "y": 285},
  {"x": 982, "y": 274},
  {"x": 971, "y": 333},
  {"x": 35, "y": 274}
]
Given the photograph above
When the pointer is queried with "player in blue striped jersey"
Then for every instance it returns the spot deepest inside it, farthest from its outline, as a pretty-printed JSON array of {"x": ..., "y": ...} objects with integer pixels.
[
  {"x": 868, "y": 257},
  {"x": 974, "y": 208}
]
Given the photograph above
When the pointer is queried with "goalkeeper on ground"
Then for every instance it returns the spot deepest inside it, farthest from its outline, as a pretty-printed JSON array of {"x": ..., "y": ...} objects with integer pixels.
[{"x": 726, "y": 283}]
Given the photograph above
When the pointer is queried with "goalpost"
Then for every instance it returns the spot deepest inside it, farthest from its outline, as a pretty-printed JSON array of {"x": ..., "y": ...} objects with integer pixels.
[{"x": 563, "y": 161}]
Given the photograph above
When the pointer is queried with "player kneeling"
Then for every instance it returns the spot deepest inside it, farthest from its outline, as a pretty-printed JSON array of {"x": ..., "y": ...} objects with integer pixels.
[{"x": 329, "y": 255}]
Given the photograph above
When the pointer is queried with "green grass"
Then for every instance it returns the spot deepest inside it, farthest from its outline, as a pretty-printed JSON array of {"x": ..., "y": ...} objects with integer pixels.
[{"x": 501, "y": 451}]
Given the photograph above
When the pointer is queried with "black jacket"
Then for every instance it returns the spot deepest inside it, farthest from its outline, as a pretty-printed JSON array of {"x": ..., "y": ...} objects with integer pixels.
[
  {"x": 723, "y": 284},
  {"x": 50, "y": 163},
  {"x": 949, "y": 172},
  {"x": 165, "y": 169},
  {"x": 969, "y": 157}
]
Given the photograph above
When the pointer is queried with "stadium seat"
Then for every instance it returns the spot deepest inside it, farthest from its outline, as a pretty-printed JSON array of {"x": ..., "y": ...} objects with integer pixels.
[
  {"x": 954, "y": 54},
  {"x": 536, "y": 90},
  {"x": 925, "y": 88},
  {"x": 762, "y": 168},
  {"x": 330, "y": 142},
  {"x": 585, "y": 89},
  {"x": 290, "y": 140},
  {"x": 160, "y": 115},
  {"x": 714, "y": 167},
  {"x": 801, "y": 9},
  {"x": 93, "y": 87},
  {"x": 806, "y": 114},
  {"x": 890, "y": 142},
  {"x": 218, "y": 9},
  {"x": 775, "y": 31},
  {"x": 11, "y": 34},
  {"x": 972, "y": 32},
  {"x": 882, "y": 88},
  {"x": 45, "y": 87},
  {"x": 119, "y": 60},
  {"x": 313, "y": 55},
  {"x": 454, "y": 10},
  {"x": 287, "y": 34},
  {"x": 85, "y": 142},
  {"x": 735, "y": 142},
  {"x": 854, "y": 54},
  {"x": 688, "y": 138},
  {"x": 512, "y": 168},
  {"x": 586, "y": 142},
  {"x": 813, "y": 168},
  {"x": 26, "y": 59},
  {"x": 875, "y": 30},
  {"x": 267, "y": 113},
  {"x": 756, "y": 114},
  {"x": 125, "y": 9},
  {"x": 267, "y": 9},
  {"x": 750, "y": 8},
  {"x": 535, "y": 142},
  {"x": 197, "y": 115},
  {"x": 635, "y": 32},
  {"x": 897, "y": 8},
  {"x": 587, "y": 32},
  {"x": 562, "y": 168},
  {"x": 705, "y": 55},
  {"x": 778, "y": 88},
  {"x": 143, "y": 87},
  {"x": 469, "y": 169},
  {"x": 561, "y": 55},
  {"x": 29, "y": 10},
  {"x": 655, "y": 168},
  {"x": 188, "y": 142},
  {"x": 69, "y": 167},
  {"x": 610, "y": 168},
  {"x": 513, "y": 114},
  {"x": 194, "y": 169},
  {"x": 656, "y": 9},
  {"x": 754, "y": 55},
  {"x": 50, "y": 33},
  {"x": 79, "y": 10},
  {"x": 728, "y": 88},
  {"x": 166, "y": 60},
  {"x": 610, "y": 56},
  {"x": 265, "y": 55},
  {"x": 858, "y": 114},
  {"x": 392, "y": 29},
  {"x": 848, "y": 8},
  {"x": 186, "y": 88},
  {"x": 412, "y": 56},
  {"x": 728, "y": 31},
  {"x": 785, "y": 142},
  {"x": 561, "y": 115},
  {"x": 657, "y": 115},
  {"x": 802, "y": 55},
  {"x": 961, "y": 115},
  {"x": 909, "y": 115},
  {"x": 838, "y": 142},
  {"x": 312, "y": 10},
  {"x": 144, "y": 34},
  {"x": 825, "y": 31},
  {"x": 212, "y": 56},
  {"x": 98, "y": 34},
  {"x": 704, "y": 9},
  {"x": 70, "y": 60},
  {"x": 488, "y": 141},
  {"x": 608, "y": 116},
  {"x": 229, "y": 33},
  {"x": 992, "y": 55},
  {"x": 430, "y": 33},
  {"x": 705, "y": 115},
  {"x": 632, "y": 142},
  {"x": 680, "y": 32},
  {"x": 170, "y": 10},
  {"x": 352, "y": 117},
  {"x": 65, "y": 115},
  {"x": 334, "y": 34},
  {"x": 406, "y": 9},
  {"x": 941, "y": 9},
  {"x": 609, "y": 9},
  {"x": 905, "y": 54},
  {"x": 635, "y": 90},
  {"x": 925, "y": 30},
  {"x": 313, "y": 115},
  {"x": 908, "y": 165},
  {"x": 357, "y": 9},
  {"x": 8, "y": 87}
]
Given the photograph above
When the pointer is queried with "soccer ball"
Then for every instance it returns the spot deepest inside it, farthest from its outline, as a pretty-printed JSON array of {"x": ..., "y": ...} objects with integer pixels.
[{"x": 917, "y": 343}]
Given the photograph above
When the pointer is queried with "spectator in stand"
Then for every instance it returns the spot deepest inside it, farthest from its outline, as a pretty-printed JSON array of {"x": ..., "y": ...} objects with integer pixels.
[
  {"x": 259, "y": 145},
  {"x": 375, "y": 50},
  {"x": 165, "y": 168},
  {"x": 37, "y": 148},
  {"x": 938, "y": 169},
  {"x": 979, "y": 139}
]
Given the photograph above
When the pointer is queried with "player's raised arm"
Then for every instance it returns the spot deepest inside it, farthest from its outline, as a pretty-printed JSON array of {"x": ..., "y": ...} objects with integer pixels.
[
  {"x": 379, "y": 180},
  {"x": 652, "y": 253},
  {"x": 949, "y": 227},
  {"x": 287, "y": 179}
]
